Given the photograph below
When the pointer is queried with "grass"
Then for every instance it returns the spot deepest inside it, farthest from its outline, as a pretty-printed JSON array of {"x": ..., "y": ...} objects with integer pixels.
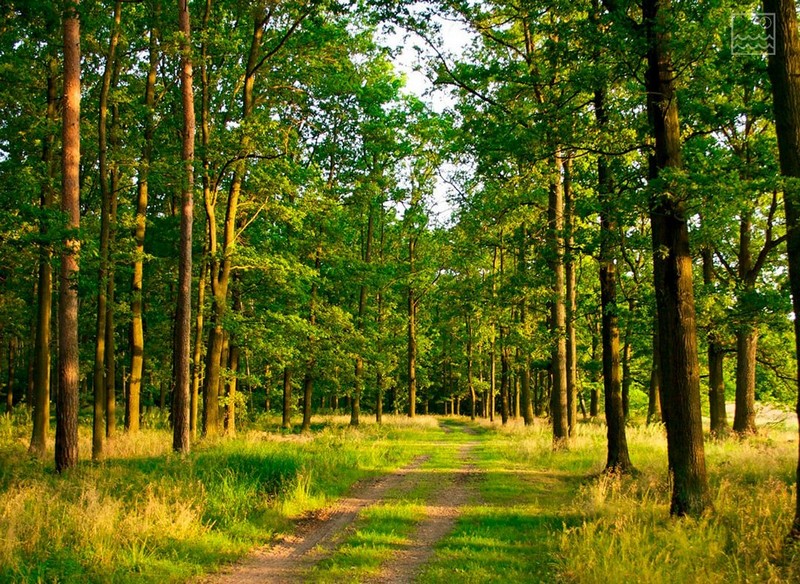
[
  {"x": 146, "y": 515},
  {"x": 537, "y": 515}
]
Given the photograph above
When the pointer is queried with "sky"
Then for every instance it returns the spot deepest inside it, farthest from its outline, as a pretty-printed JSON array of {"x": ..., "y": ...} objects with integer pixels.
[{"x": 411, "y": 61}]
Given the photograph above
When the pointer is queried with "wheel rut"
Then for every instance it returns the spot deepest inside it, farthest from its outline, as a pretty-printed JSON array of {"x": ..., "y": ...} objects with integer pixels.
[
  {"x": 441, "y": 514},
  {"x": 316, "y": 536}
]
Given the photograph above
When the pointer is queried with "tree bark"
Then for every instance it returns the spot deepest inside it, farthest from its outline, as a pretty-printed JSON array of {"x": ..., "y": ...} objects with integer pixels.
[
  {"x": 744, "y": 417},
  {"x": 571, "y": 303},
  {"x": 66, "y": 451},
  {"x": 558, "y": 315},
  {"x": 44, "y": 307},
  {"x": 221, "y": 269},
  {"x": 100, "y": 400},
  {"x": 784, "y": 72},
  {"x": 132, "y": 403},
  {"x": 366, "y": 257},
  {"x": 412, "y": 332},
  {"x": 286, "y": 423},
  {"x": 181, "y": 441},
  {"x": 716, "y": 355},
  {"x": 672, "y": 269},
  {"x": 618, "y": 458}
]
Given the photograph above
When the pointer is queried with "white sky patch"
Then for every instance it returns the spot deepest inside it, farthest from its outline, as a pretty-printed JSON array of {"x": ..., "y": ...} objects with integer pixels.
[{"x": 413, "y": 57}]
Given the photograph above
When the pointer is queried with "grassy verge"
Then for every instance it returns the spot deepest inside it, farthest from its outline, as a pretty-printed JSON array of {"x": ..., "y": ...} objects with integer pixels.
[
  {"x": 144, "y": 514},
  {"x": 552, "y": 516},
  {"x": 387, "y": 527}
]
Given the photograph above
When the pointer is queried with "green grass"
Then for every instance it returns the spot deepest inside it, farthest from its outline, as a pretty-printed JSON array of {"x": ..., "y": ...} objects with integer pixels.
[
  {"x": 537, "y": 515},
  {"x": 146, "y": 515}
]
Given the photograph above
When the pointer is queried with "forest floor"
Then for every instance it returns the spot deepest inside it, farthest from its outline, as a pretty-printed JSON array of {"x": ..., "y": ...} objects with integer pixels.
[{"x": 432, "y": 500}]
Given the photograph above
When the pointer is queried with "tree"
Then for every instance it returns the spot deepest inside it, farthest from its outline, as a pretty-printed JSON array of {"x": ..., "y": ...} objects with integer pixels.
[
  {"x": 66, "y": 453},
  {"x": 181, "y": 440},
  {"x": 672, "y": 269},
  {"x": 784, "y": 72}
]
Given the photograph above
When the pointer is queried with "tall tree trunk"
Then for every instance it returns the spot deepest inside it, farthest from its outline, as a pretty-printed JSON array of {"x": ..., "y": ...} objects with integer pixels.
[
  {"x": 99, "y": 426},
  {"x": 470, "y": 381},
  {"x": 44, "y": 307},
  {"x": 672, "y": 269},
  {"x": 111, "y": 370},
  {"x": 571, "y": 304},
  {"x": 132, "y": 403},
  {"x": 286, "y": 423},
  {"x": 181, "y": 441},
  {"x": 66, "y": 451},
  {"x": 412, "y": 333},
  {"x": 366, "y": 257},
  {"x": 784, "y": 72},
  {"x": 716, "y": 354},
  {"x": 308, "y": 378},
  {"x": 505, "y": 376},
  {"x": 233, "y": 366},
  {"x": 558, "y": 315},
  {"x": 221, "y": 269},
  {"x": 618, "y": 459},
  {"x": 744, "y": 417}
]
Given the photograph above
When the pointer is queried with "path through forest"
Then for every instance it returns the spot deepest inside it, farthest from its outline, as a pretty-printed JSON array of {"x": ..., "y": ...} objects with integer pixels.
[{"x": 317, "y": 536}]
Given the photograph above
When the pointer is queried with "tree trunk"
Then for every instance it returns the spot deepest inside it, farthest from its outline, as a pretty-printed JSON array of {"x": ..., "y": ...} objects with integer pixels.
[
  {"x": 137, "y": 327},
  {"x": 99, "y": 425},
  {"x": 505, "y": 377},
  {"x": 571, "y": 304},
  {"x": 672, "y": 269},
  {"x": 594, "y": 394},
  {"x": 470, "y": 381},
  {"x": 221, "y": 269},
  {"x": 412, "y": 333},
  {"x": 744, "y": 418},
  {"x": 558, "y": 315},
  {"x": 627, "y": 349},
  {"x": 784, "y": 72},
  {"x": 716, "y": 354},
  {"x": 12, "y": 359},
  {"x": 44, "y": 307},
  {"x": 183, "y": 313},
  {"x": 66, "y": 451},
  {"x": 286, "y": 424},
  {"x": 366, "y": 257},
  {"x": 618, "y": 459},
  {"x": 654, "y": 394}
]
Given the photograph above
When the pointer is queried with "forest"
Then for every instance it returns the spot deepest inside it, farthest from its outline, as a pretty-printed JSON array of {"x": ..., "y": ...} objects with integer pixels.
[{"x": 401, "y": 290}]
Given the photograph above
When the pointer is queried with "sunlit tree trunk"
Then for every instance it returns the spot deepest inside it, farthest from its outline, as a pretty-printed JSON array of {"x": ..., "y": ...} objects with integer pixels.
[
  {"x": 571, "y": 304},
  {"x": 66, "y": 451},
  {"x": 558, "y": 314},
  {"x": 181, "y": 441},
  {"x": 132, "y": 403},
  {"x": 672, "y": 269}
]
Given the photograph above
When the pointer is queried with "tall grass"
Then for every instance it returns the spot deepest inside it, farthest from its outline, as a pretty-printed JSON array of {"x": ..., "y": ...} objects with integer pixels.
[
  {"x": 145, "y": 514},
  {"x": 626, "y": 534}
]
